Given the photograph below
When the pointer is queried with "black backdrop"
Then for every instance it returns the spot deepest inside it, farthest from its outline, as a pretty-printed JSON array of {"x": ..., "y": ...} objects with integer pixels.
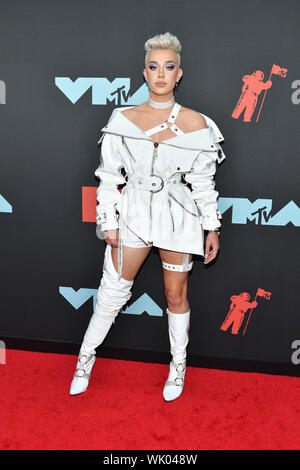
[{"x": 49, "y": 153}]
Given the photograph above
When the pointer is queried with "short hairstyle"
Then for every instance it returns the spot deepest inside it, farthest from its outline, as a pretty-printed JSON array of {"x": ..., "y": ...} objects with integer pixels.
[{"x": 163, "y": 41}]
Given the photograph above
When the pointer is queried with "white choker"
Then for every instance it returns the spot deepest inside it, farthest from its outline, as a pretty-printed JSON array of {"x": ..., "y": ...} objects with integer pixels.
[{"x": 164, "y": 105}]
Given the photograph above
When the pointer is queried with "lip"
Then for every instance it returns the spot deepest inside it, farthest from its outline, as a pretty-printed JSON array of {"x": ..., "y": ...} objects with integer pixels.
[{"x": 160, "y": 83}]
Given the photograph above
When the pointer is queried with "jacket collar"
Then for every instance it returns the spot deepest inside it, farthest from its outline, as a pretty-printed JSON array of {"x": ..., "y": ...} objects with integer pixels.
[{"x": 203, "y": 139}]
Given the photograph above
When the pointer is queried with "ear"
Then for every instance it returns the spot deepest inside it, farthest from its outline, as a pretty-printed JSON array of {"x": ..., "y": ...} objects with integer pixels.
[{"x": 179, "y": 75}]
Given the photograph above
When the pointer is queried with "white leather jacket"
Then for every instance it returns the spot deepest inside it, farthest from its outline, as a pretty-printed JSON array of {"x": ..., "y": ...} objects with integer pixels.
[{"x": 169, "y": 197}]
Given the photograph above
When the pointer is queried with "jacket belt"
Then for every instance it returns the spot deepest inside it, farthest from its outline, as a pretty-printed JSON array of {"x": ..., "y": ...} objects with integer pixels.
[{"x": 153, "y": 183}]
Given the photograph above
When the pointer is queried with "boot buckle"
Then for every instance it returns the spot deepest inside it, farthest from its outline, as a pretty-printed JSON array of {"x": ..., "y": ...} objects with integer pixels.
[
  {"x": 176, "y": 366},
  {"x": 180, "y": 383},
  {"x": 180, "y": 373},
  {"x": 80, "y": 371},
  {"x": 180, "y": 364},
  {"x": 84, "y": 374}
]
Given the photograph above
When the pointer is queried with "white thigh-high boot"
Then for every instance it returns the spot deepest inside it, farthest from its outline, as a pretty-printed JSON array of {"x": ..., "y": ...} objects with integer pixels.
[
  {"x": 179, "y": 324},
  {"x": 111, "y": 296}
]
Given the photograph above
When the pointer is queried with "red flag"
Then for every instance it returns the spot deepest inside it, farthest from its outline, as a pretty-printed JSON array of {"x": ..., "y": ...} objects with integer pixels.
[
  {"x": 263, "y": 293},
  {"x": 276, "y": 70}
]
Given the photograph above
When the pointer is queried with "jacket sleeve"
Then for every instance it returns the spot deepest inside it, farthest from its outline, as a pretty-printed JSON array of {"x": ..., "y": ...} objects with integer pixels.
[
  {"x": 110, "y": 176},
  {"x": 203, "y": 185}
]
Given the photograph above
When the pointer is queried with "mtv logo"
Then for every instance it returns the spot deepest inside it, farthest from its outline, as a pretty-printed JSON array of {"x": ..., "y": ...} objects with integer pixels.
[
  {"x": 5, "y": 206},
  {"x": 103, "y": 91},
  {"x": 143, "y": 304},
  {"x": 259, "y": 211}
]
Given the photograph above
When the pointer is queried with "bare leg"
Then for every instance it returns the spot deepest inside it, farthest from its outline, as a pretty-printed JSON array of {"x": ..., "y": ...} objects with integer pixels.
[
  {"x": 175, "y": 282},
  {"x": 133, "y": 259}
]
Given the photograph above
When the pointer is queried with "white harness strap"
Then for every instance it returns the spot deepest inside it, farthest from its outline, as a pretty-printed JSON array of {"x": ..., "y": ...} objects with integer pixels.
[
  {"x": 185, "y": 266},
  {"x": 171, "y": 119}
]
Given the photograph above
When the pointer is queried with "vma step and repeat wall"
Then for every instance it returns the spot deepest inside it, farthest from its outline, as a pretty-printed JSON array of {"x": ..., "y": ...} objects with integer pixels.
[{"x": 64, "y": 66}]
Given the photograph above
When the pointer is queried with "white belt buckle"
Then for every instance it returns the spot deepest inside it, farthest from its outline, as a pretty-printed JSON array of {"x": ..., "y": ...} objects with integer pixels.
[{"x": 154, "y": 184}]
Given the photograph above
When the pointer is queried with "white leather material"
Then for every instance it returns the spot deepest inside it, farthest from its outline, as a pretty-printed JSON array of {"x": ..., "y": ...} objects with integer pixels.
[
  {"x": 82, "y": 374},
  {"x": 175, "y": 382},
  {"x": 171, "y": 119},
  {"x": 174, "y": 217},
  {"x": 178, "y": 324},
  {"x": 152, "y": 183},
  {"x": 177, "y": 267},
  {"x": 112, "y": 294}
]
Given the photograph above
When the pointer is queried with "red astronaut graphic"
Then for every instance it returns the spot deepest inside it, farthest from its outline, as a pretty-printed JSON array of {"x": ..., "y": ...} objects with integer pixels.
[
  {"x": 253, "y": 86},
  {"x": 239, "y": 306}
]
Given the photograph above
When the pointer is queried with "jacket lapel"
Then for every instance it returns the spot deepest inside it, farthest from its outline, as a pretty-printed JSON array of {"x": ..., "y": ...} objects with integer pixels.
[
  {"x": 119, "y": 124},
  {"x": 203, "y": 139}
]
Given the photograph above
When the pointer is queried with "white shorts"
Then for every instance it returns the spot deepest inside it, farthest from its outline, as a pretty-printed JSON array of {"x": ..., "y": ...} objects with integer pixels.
[{"x": 129, "y": 238}]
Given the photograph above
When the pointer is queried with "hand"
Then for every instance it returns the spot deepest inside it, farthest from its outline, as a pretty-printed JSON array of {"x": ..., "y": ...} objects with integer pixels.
[
  {"x": 212, "y": 247},
  {"x": 111, "y": 236}
]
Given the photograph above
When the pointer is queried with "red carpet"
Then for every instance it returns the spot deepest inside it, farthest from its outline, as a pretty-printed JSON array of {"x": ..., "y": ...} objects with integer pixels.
[{"x": 124, "y": 408}]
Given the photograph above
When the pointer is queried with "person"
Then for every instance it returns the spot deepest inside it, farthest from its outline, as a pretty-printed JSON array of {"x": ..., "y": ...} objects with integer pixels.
[{"x": 164, "y": 155}]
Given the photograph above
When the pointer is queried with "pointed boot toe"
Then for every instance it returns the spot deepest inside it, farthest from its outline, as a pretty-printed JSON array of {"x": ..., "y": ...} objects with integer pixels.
[
  {"x": 79, "y": 385},
  {"x": 171, "y": 392}
]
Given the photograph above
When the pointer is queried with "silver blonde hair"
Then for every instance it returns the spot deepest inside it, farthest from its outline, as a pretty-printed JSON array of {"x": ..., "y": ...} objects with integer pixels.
[{"x": 163, "y": 41}]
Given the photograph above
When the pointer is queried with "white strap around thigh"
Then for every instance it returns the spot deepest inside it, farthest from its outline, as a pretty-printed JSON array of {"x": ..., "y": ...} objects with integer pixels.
[{"x": 185, "y": 266}]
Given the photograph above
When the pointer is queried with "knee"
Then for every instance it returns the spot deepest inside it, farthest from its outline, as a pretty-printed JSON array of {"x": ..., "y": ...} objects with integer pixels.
[{"x": 175, "y": 297}]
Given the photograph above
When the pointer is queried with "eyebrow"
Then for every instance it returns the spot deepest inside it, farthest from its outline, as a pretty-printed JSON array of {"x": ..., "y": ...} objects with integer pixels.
[{"x": 166, "y": 62}]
